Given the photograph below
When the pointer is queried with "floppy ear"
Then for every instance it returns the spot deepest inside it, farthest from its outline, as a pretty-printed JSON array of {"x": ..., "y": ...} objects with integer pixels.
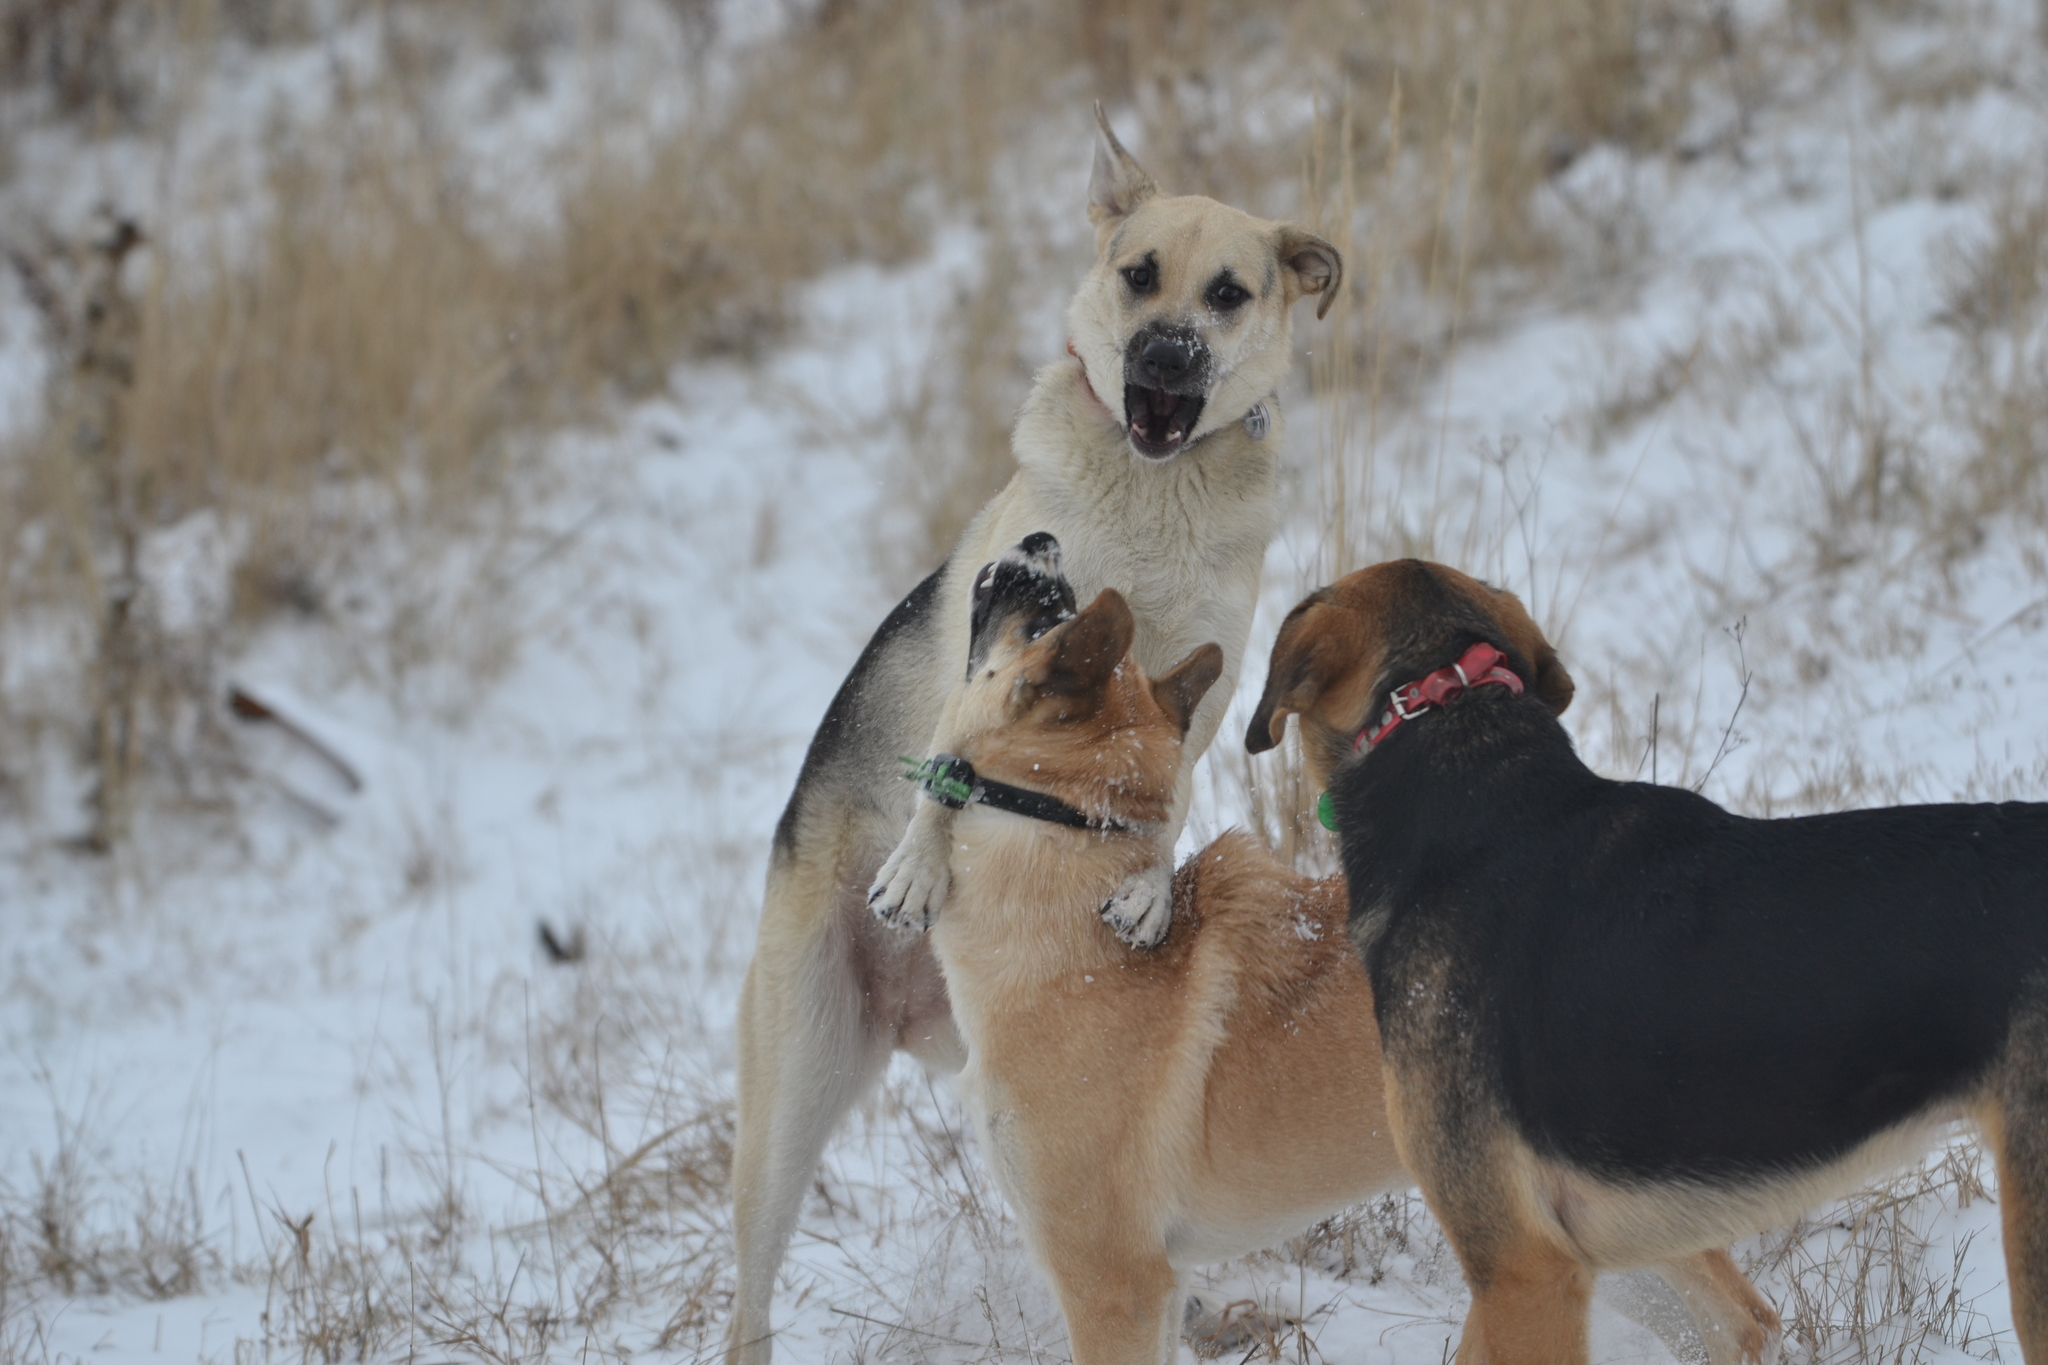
[
  {"x": 1088, "y": 649},
  {"x": 1118, "y": 183},
  {"x": 1552, "y": 683},
  {"x": 1181, "y": 688},
  {"x": 1313, "y": 266},
  {"x": 1293, "y": 677}
]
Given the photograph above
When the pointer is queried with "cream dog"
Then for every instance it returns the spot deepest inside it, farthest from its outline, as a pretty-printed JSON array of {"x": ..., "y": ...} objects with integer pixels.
[{"x": 1152, "y": 454}]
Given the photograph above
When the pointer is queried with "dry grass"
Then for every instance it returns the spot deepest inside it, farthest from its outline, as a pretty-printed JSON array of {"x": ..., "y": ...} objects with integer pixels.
[
  {"x": 1876, "y": 1278},
  {"x": 1995, "y": 292},
  {"x": 384, "y": 332},
  {"x": 372, "y": 362}
]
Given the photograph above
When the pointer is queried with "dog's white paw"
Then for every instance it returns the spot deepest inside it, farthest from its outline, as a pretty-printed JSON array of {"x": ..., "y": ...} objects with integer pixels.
[
  {"x": 1141, "y": 911},
  {"x": 911, "y": 887}
]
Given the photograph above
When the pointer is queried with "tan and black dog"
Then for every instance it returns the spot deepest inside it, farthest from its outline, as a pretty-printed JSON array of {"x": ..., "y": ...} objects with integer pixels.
[
  {"x": 1148, "y": 1111},
  {"x": 1620, "y": 1023},
  {"x": 1152, "y": 452}
]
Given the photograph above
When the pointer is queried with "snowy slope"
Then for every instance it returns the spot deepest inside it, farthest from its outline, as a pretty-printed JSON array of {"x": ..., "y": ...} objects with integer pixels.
[{"x": 339, "y": 1006}]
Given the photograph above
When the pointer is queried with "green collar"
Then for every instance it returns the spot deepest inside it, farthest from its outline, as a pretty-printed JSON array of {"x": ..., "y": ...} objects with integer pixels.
[{"x": 952, "y": 782}]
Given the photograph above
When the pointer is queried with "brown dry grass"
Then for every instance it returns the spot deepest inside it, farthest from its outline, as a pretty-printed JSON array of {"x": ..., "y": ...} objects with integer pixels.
[
  {"x": 381, "y": 351},
  {"x": 385, "y": 333},
  {"x": 1876, "y": 1277}
]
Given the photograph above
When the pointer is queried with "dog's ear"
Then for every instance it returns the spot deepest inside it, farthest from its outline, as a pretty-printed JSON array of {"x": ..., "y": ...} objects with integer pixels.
[
  {"x": 1088, "y": 649},
  {"x": 1181, "y": 688},
  {"x": 1118, "y": 183},
  {"x": 1313, "y": 267},
  {"x": 1294, "y": 677},
  {"x": 1553, "y": 684}
]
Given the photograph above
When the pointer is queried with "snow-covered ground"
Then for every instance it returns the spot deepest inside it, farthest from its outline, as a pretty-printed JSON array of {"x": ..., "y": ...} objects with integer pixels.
[{"x": 337, "y": 1006}]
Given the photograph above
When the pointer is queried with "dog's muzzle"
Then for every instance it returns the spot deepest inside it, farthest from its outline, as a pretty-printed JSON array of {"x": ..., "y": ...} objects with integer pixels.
[
  {"x": 1166, "y": 378},
  {"x": 1024, "y": 580}
]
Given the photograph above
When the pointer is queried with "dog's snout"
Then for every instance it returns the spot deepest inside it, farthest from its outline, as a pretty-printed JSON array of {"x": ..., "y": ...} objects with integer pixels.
[
  {"x": 1166, "y": 360},
  {"x": 1039, "y": 544},
  {"x": 1038, "y": 552}
]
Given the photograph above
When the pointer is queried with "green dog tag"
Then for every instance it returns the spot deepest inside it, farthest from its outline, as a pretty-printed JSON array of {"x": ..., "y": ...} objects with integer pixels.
[{"x": 1326, "y": 812}]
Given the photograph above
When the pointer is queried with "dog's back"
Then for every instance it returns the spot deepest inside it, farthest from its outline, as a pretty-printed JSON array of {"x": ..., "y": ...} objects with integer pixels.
[
  {"x": 1878, "y": 959},
  {"x": 1294, "y": 1120}
]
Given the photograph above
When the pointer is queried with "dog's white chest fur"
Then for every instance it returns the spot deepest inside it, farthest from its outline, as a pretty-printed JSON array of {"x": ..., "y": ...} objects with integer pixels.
[{"x": 1184, "y": 539}]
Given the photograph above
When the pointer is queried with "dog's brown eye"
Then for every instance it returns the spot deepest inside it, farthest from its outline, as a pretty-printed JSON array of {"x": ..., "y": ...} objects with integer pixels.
[
  {"x": 1227, "y": 294},
  {"x": 1139, "y": 278}
]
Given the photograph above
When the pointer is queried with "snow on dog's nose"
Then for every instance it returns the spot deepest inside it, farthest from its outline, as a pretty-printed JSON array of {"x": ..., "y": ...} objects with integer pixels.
[{"x": 1024, "y": 581}]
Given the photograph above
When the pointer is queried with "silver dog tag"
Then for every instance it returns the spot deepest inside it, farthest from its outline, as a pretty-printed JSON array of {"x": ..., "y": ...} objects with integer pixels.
[{"x": 1258, "y": 422}]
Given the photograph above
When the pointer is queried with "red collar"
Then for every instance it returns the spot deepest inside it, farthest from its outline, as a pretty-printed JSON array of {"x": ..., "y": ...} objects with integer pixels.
[
  {"x": 1477, "y": 667},
  {"x": 1089, "y": 382}
]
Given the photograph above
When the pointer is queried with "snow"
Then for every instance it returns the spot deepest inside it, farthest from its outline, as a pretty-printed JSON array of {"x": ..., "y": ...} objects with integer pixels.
[{"x": 335, "y": 1004}]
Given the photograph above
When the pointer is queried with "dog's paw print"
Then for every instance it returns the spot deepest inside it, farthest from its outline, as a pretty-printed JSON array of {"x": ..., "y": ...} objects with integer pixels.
[
  {"x": 911, "y": 887},
  {"x": 1141, "y": 911}
]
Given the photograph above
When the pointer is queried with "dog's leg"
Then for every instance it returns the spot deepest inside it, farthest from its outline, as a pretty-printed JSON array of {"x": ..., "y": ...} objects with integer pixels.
[
  {"x": 2015, "y": 1125},
  {"x": 1121, "y": 1307},
  {"x": 807, "y": 1053},
  {"x": 1529, "y": 1305},
  {"x": 1738, "y": 1325},
  {"x": 1141, "y": 911},
  {"x": 910, "y": 890}
]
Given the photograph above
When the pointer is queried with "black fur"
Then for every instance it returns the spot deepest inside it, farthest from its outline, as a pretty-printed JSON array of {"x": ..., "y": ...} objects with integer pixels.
[
  {"x": 842, "y": 741},
  {"x": 1653, "y": 987},
  {"x": 1009, "y": 588}
]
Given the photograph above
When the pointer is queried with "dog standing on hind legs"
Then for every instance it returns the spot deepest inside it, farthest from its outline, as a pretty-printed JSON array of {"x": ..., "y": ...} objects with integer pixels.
[{"x": 1151, "y": 453}]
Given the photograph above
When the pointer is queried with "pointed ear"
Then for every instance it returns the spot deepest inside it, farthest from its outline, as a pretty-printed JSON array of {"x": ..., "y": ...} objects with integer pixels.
[
  {"x": 1088, "y": 649},
  {"x": 1313, "y": 267},
  {"x": 1553, "y": 684},
  {"x": 1118, "y": 183},
  {"x": 1293, "y": 678},
  {"x": 1181, "y": 688}
]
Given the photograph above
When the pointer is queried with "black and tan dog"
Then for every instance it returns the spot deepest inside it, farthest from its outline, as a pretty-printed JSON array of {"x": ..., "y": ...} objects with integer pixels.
[
  {"x": 1150, "y": 1110},
  {"x": 1620, "y": 1023}
]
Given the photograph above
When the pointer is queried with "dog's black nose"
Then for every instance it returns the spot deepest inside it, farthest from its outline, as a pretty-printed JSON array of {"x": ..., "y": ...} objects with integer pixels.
[
  {"x": 1038, "y": 542},
  {"x": 1166, "y": 360}
]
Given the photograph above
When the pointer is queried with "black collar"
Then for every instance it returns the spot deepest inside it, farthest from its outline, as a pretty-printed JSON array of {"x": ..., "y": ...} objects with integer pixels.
[{"x": 952, "y": 782}]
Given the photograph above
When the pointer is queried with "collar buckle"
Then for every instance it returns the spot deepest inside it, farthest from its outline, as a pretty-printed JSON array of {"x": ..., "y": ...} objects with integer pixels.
[{"x": 1480, "y": 666}]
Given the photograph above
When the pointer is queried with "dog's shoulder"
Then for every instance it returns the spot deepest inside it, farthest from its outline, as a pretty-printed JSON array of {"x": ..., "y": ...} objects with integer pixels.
[{"x": 1280, "y": 930}]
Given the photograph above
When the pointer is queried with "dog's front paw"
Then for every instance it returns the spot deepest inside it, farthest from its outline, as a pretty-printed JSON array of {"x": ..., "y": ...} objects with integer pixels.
[
  {"x": 911, "y": 887},
  {"x": 1141, "y": 911}
]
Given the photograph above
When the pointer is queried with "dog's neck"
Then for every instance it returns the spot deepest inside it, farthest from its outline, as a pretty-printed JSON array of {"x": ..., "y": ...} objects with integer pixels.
[
  {"x": 1027, "y": 897},
  {"x": 1029, "y": 893},
  {"x": 1066, "y": 419},
  {"x": 1436, "y": 792}
]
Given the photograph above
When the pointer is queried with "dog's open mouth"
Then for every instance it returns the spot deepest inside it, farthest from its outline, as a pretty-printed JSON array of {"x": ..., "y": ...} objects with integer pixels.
[{"x": 1160, "y": 421}]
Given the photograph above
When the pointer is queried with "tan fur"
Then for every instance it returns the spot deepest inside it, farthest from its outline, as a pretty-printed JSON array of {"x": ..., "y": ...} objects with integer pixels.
[
  {"x": 1150, "y": 1111},
  {"x": 1146, "y": 1110},
  {"x": 1329, "y": 659},
  {"x": 831, "y": 992}
]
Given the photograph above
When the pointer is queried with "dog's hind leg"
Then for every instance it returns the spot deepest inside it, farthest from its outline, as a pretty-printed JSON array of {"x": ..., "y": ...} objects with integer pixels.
[
  {"x": 1737, "y": 1324},
  {"x": 1529, "y": 1304},
  {"x": 2015, "y": 1125},
  {"x": 808, "y": 1051}
]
